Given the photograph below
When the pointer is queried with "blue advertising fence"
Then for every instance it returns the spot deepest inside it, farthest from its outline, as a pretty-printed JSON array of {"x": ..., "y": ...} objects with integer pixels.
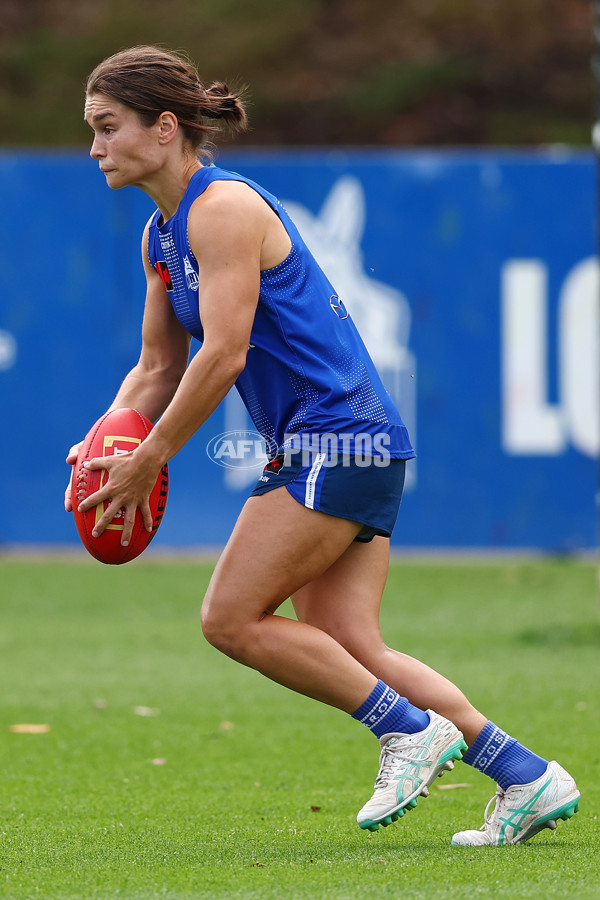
[{"x": 472, "y": 276}]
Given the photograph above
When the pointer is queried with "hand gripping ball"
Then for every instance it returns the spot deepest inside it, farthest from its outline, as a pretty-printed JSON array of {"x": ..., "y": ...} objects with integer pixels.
[{"x": 119, "y": 431}]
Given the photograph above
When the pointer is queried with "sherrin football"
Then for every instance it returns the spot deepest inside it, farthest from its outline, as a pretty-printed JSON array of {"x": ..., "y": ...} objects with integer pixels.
[{"x": 116, "y": 432}]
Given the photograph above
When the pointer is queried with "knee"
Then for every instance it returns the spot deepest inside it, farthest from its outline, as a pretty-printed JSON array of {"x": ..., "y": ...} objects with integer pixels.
[
  {"x": 218, "y": 631},
  {"x": 226, "y": 633}
]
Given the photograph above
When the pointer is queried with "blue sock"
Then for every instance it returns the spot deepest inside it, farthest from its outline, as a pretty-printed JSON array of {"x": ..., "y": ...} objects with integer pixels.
[
  {"x": 503, "y": 758},
  {"x": 386, "y": 712}
]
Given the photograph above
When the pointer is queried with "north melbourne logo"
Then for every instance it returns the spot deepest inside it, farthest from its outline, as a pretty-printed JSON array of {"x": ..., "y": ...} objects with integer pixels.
[{"x": 191, "y": 276}]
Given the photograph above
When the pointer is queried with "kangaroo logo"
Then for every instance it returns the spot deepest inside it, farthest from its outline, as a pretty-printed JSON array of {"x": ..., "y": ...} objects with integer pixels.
[
  {"x": 8, "y": 350},
  {"x": 380, "y": 311},
  {"x": 191, "y": 275}
]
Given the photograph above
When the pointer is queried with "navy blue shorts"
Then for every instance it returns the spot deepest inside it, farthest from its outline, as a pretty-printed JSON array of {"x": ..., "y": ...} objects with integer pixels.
[{"x": 368, "y": 494}]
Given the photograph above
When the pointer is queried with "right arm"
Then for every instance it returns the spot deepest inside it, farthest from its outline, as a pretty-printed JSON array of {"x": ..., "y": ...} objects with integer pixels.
[{"x": 150, "y": 386}]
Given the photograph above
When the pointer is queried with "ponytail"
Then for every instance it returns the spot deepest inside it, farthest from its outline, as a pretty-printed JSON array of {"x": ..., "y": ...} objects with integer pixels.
[{"x": 220, "y": 103}]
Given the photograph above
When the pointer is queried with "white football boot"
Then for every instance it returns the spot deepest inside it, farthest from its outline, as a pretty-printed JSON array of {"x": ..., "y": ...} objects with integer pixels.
[
  {"x": 525, "y": 809},
  {"x": 408, "y": 764}
]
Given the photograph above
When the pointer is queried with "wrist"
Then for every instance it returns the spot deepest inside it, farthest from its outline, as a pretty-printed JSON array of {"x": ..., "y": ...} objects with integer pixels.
[{"x": 153, "y": 452}]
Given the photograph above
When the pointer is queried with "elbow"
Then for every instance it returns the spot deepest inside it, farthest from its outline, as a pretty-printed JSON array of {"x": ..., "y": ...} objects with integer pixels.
[
  {"x": 169, "y": 377},
  {"x": 237, "y": 364},
  {"x": 166, "y": 371},
  {"x": 230, "y": 362}
]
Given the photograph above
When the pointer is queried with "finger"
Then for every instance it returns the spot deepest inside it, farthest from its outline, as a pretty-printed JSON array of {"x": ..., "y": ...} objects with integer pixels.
[
  {"x": 128, "y": 526},
  {"x": 71, "y": 460},
  {"x": 99, "y": 462},
  {"x": 100, "y": 496},
  {"x": 105, "y": 519},
  {"x": 73, "y": 454},
  {"x": 147, "y": 517},
  {"x": 103, "y": 493},
  {"x": 68, "y": 494}
]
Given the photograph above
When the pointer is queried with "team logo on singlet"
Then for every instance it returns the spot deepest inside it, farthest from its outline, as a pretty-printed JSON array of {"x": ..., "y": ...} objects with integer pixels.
[
  {"x": 191, "y": 276},
  {"x": 275, "y": 464},
  {"x": 338, "y": 307},
  {"x": 163, "y": 271}
]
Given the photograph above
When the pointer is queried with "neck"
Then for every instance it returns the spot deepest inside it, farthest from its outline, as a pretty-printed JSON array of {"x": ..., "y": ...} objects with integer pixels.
[{"x": 167, "y": 186}]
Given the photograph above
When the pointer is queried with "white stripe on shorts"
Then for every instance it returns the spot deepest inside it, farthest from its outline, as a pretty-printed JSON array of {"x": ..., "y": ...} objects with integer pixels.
[{"x": 311, "y": 481}]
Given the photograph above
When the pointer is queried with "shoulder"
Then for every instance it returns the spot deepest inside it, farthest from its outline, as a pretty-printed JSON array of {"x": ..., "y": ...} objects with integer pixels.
[
  {"x": 227, "y": 197},
  {"x": 149, "y": 224},
  {"x": 227, "y": 211}
]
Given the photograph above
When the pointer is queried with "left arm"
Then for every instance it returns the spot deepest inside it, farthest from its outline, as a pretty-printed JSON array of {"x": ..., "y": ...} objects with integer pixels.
[{"x": 226, "y": 232}]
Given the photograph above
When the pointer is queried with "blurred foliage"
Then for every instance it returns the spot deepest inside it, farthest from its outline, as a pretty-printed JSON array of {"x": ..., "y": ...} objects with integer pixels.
[{"x": 386, "y": 72}]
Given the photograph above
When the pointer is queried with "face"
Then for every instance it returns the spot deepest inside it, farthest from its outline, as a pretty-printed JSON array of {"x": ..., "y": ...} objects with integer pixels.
[{"x": 127, "y": 151}]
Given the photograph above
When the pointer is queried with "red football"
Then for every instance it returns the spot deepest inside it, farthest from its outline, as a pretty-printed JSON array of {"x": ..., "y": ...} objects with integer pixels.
[{"x": 119, "y": 431}]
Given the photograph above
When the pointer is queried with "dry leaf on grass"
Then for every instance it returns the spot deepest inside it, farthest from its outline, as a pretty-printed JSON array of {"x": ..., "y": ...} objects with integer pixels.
[
  {"x": 451, "y": 787},
  {"x": 159, "y": 761},
  {"x": 145, "y": 711},
  {"x": 29, "y": 729}
]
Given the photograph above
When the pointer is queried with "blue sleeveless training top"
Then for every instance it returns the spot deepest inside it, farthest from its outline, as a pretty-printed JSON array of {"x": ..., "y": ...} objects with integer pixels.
[{"x": 307, "y": 370}]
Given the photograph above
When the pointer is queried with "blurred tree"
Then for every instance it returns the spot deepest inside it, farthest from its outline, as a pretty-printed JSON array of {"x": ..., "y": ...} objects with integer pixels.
[{"x": 437, "y": 72}]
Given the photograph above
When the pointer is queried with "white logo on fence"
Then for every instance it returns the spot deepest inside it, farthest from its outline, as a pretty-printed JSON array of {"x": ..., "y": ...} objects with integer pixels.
[
  {"x": 531, "y": 424},
  {"x": 238, "y": 449},
  {"x": 380, "y": 311},
  {"x": 8, "y": 350}
]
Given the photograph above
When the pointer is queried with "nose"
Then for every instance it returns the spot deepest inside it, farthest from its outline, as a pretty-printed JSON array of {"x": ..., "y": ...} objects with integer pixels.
[{"x": 97, "y": 150}]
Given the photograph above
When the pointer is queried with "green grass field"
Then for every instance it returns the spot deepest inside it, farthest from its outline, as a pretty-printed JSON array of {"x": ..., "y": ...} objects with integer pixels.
[{"x": 168, "y": 771}]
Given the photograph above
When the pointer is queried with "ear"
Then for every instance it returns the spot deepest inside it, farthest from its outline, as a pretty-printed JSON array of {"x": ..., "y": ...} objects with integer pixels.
[{"x": 168, "y": 126}]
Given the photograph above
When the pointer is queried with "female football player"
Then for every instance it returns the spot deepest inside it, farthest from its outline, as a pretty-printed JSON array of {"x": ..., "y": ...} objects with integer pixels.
[{"x": 225, "y": 264}]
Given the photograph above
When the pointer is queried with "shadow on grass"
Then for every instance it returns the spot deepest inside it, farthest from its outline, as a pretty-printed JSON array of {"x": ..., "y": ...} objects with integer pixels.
[{"x": 576, "y": 635}]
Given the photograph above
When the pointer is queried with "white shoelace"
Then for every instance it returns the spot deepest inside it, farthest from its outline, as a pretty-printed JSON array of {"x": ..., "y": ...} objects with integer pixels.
[
  {"x": 496, "y": 800},
  {"x": 390, "y": 757}
]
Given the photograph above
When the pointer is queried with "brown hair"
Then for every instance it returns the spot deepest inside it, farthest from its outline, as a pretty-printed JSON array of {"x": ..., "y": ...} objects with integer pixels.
[{"x": 151, "y": 80}]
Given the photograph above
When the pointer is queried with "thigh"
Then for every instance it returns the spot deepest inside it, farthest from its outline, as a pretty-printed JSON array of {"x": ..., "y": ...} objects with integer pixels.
[
  {"x": 276, "y": 547},
  {"x": 345, "y": 600}
]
